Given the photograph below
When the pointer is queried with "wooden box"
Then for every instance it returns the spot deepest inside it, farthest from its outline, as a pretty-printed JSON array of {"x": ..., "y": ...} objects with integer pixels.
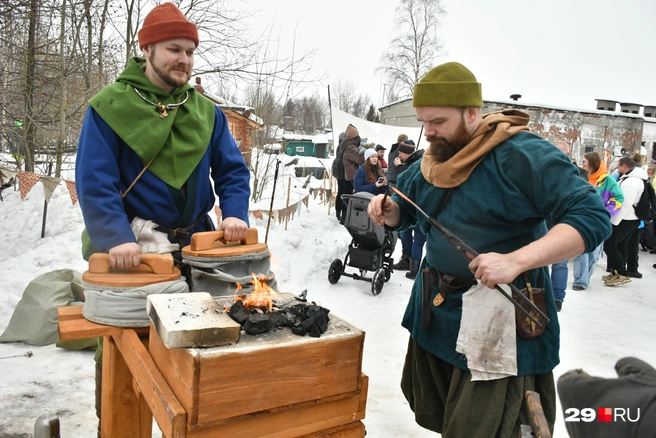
[{"x": 272, "y": 382}]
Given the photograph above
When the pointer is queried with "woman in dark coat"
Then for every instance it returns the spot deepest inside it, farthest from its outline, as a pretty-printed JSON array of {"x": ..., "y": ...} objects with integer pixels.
[{"x": 370, "y": 177}]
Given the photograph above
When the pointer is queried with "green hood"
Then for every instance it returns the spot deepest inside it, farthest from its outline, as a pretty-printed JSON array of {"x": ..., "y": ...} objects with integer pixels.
[{"x": 177, "y": 142}]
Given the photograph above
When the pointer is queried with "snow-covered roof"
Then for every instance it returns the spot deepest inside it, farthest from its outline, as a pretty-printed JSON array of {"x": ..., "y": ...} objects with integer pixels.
[
  {"x": 316, "y": 139},
  {"x": 539, "y": 105}
]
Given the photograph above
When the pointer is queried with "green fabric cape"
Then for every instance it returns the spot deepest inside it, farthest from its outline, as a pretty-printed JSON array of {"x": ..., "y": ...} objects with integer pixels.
[{"x": 177, "y": 142}]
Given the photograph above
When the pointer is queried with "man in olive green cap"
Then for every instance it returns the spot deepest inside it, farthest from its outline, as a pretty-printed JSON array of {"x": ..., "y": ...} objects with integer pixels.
[{"x": 492, "y": 183}]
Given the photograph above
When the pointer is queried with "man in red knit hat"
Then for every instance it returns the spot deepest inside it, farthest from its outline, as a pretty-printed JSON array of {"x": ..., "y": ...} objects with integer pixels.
[
  {"x": 150, "y": 149},
  {"x": 148, "y": 145}
]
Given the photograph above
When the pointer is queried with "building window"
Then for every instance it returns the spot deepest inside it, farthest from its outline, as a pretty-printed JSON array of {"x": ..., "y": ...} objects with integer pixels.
[
  {"x": 589, "y": 149},
  {"x": 647, "y": 114}
]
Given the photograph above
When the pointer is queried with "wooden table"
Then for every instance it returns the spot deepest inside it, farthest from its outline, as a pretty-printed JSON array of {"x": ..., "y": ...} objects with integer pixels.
[{"x": 135, "y": 391}]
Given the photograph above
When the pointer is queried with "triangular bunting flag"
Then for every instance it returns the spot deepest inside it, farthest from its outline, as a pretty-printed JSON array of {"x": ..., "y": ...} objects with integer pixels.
[
  {"x": 70, "y": 185},
  {"x": 49, "y": 185},
  {"x": 27, "y": 181},
  {"x": 6, "y": 174}
]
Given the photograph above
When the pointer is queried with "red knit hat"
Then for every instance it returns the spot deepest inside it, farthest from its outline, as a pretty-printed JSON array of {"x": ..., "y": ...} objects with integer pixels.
[{"x": 166, "y": 22}]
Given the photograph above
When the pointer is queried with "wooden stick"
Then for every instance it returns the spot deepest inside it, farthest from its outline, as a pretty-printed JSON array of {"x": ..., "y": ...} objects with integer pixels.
[{"x": 289, "y": 189}]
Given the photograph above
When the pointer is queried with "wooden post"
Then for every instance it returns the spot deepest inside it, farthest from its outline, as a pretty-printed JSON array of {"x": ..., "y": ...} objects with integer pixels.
[
  {"x": 329, "y": 194},
  {"x": 45, "y": 208},
  {"x": 289, "y": 189},
  {"x": 123, "y": 411}
]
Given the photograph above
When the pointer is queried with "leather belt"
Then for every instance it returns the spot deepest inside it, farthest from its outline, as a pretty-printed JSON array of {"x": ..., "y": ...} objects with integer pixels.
[{"x": 448, "y": 285}]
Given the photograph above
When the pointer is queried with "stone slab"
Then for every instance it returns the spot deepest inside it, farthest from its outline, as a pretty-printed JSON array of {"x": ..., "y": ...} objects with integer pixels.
[{"x": 191, "y": 320}]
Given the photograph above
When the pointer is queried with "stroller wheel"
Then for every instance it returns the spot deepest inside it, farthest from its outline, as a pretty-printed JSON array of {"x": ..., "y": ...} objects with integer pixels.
[
  {"x": 335, "y": 271},
  {"x": 388, "y": 273},
  {"x": 378, "y": 281}
]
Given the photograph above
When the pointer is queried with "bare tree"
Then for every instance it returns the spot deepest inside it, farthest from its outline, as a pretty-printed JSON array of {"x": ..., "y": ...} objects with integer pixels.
[
  {"x": 415, "y": 48},
  {"x": 311, "y": 114},
  {"x": 346, "y": 99}
]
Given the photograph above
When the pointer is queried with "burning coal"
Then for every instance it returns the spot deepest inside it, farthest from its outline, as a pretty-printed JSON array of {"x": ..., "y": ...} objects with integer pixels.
[{"x": 260, "y": 312}]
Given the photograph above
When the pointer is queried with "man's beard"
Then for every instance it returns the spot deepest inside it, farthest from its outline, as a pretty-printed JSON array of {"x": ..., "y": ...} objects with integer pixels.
[
  {"x": 166, "y": 76},
  {"x": 442, "y": 149}
]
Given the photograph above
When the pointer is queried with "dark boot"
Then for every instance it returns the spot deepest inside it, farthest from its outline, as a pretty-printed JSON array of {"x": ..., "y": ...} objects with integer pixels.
[
  {"x": 414, "y": 268},
  {"x": 403, "y": 264}
]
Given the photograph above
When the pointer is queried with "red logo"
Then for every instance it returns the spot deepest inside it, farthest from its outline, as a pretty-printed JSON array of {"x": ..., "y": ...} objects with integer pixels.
[{"x": 605, "y": 415}]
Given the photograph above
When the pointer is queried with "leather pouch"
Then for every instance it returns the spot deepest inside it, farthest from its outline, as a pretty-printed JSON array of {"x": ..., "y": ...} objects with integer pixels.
[{"x": 526, "y": 328}]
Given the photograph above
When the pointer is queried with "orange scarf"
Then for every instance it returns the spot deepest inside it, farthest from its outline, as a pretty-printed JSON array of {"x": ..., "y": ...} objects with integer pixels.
[
  {"x": 494, "y": 129},
  {"x": 592, "y": 178}
]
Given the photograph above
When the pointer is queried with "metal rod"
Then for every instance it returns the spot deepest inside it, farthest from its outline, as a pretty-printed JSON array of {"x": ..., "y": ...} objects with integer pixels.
[
  {"x": 45, "y": 208},
  {"x": 273, "y": 196}
]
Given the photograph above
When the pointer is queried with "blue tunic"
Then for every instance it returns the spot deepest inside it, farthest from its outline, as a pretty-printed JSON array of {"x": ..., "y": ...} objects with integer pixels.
[
  {"x": 106, "y": 166},
  {"x": 500, "y": 208}
]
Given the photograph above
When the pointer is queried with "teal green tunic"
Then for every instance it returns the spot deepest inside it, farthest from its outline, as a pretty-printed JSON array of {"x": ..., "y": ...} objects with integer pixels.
[{"x": 500, "y": 208}]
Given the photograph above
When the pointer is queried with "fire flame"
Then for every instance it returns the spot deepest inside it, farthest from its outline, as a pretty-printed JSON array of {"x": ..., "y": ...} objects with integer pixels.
[{"x": 261, "y": 297}]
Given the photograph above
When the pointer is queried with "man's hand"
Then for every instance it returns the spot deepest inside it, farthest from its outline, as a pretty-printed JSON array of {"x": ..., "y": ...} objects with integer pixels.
[
  {"x": 382, "y": 214},
  {"x": 234, "y": 229},
  {"x": 126, "y": 255},
  {"x": 492, "y": 268}
]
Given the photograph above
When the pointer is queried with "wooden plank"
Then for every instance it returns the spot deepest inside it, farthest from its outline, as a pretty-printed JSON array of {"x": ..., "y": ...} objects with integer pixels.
[
  {"x": 67, "y": 313},
  {"x": 82, "y": 329},
  {"x": 241, "y": 382},
  {"x": 180, "y": 370},
  {"x": 540, "y": 425},
  {"x": 364, "y": 390},
  {"x": 122, "y": 412},
  {"x": 165, "y": 407},
  {"x": 290, "y": 423},
  {"x": 351, "y": 430}
]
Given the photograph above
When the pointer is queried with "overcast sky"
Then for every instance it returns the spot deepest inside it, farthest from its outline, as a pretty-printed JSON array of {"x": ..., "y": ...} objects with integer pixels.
[{"x": 562, "y": 53}]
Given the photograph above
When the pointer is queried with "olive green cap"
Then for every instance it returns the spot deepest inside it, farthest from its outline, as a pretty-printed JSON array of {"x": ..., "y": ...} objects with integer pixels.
[{"x": 449, "y": 84}]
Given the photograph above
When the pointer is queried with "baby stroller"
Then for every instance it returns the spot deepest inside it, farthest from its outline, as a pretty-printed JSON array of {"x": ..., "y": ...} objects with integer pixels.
[{"x": 370, "y": 249}]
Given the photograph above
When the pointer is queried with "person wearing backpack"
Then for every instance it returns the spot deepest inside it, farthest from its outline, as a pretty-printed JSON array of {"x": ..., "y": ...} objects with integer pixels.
[
  {"x": 338, "y": 174},
  {"x": 350, "y": 161},
  {"x": 625, "y": 222}
]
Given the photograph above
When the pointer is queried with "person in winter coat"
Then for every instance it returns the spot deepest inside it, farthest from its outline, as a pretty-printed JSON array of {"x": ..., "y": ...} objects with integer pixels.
[
  {"x": 370, "y": 177},
  {"x": 412, "y": 239},
  {"x": 612, "y": 197},
  {"x": 491, "y": 182},
  {"x": 352, "y": 157},
  {"x": 392, "y": 172},
  {"x": 625, "y": 222},
  {"x": 351, "y": 161},
  {"x": 380, "y": 150},
  {"x": 154, "y": 161},
  {"x": 338, "y": 173}
]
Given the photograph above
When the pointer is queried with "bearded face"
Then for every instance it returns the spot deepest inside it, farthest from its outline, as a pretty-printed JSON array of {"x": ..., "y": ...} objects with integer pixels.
[
  {"x": 171, "y": 63},
  {"x": 444, "y": 148}
]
